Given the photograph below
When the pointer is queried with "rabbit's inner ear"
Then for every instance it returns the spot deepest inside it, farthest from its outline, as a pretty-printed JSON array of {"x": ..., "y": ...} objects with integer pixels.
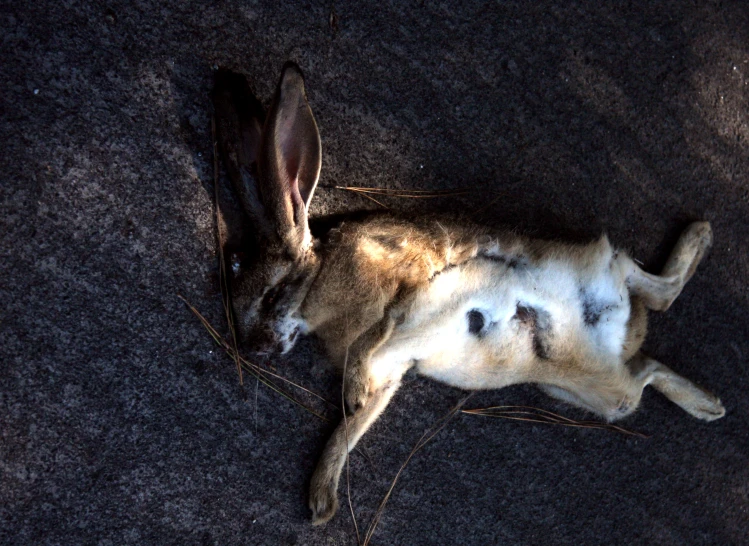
[
  {"x": 298, "y": 142},
  {"x": 290, "y": 159}
]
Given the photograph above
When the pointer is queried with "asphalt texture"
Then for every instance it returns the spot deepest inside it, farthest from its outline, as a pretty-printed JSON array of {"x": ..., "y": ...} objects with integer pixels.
[{"x": 123, "y": 423}]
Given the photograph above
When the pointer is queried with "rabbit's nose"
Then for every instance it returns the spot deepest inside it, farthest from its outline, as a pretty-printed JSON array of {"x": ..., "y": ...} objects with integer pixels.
[{"x": 263, "y": 341}]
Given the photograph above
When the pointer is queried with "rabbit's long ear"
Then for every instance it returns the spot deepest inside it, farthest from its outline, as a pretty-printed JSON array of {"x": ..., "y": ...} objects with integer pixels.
[
  {"x": 289, "y": 161},
  {"x": 239, "y": 125}
]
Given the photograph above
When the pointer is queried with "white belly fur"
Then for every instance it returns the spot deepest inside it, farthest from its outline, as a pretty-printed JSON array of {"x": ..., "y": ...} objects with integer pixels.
[{"x": 435, "y": 333}]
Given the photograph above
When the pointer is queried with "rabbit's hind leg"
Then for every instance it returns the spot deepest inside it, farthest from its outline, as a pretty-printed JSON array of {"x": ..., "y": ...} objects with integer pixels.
[
  {"x": 692, "y": 398},
  {"x": 659, "y": 291}
]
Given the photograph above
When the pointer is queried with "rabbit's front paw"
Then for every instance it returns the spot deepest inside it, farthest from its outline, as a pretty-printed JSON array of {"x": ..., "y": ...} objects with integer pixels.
[
  {"x": 323, "y": 501},
  {"x": 357, "y": 390}
]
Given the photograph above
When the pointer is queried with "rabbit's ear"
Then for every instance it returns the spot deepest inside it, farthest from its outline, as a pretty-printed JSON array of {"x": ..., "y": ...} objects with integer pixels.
[
  {"x": 289, "y": 161},
  {"x": 239, "y": 125}
]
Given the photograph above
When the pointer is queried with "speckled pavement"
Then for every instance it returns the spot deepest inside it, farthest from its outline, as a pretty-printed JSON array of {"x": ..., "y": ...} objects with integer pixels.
[{"x": 122, "y": 423}]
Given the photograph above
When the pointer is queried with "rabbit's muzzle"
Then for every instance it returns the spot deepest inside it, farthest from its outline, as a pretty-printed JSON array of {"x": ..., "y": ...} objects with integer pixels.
[
  {"x": 275, "y": 338},
  {"x": 262, "y": 341}
]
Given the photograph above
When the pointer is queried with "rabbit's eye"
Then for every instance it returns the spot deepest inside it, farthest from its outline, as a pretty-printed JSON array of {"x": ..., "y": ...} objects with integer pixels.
[
  {"x": 236, "y": 264},
  {"x": 476, "y": 321}
]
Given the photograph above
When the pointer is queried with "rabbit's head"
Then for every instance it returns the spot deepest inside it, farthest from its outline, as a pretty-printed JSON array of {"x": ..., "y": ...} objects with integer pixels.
[{"x": 274, "y": 167}]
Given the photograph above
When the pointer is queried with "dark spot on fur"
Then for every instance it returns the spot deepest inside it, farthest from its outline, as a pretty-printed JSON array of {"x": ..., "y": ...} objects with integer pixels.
[
  {"x": 593, "y": 308},
  {"x": 624, "y": 406},
  {"x": 445, "y": 269},
  {"x": 512, "y": 262},
  {"x": 539, "y": 323},
  {"x": 591, "y": 312},
  {"x": 390, "y": 242},
  {"x": 476, "y": 321}
]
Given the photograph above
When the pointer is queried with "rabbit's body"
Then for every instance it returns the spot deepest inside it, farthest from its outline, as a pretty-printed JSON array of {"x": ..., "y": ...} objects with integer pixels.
[
  {"x": 467, "y": 306},
  {"x": 544, "y": 302}
]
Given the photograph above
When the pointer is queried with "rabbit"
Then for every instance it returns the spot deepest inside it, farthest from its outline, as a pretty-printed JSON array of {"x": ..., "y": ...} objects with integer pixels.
[{"x": 465, "y": 305}]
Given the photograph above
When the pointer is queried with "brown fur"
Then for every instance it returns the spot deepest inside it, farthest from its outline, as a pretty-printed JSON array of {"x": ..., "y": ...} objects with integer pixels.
[{"x": 370, "y": 265}]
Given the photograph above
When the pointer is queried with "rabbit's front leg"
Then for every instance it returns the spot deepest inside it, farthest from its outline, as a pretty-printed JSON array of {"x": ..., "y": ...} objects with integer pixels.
[
  {"x": 323, "y": 495},
  {"x": 357, "y": 380},
  {"x": 387, "y": 369}
]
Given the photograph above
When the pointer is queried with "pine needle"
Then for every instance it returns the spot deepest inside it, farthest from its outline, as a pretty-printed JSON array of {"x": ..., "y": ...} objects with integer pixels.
[
  {"x": 348, "y": 469},
  {"x": 364, "y": 194},
  {"x": 538, "y": 415},
  {"x": 222, "y": 274},
  {"x": 430, "y": 433},
  {"x": 409, "y": 194},
  {"x": 261, "y": 374},
  {"x": 490, "y": 203}
]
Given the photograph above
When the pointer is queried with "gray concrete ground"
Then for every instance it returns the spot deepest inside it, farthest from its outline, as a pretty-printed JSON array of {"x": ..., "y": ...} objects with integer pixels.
[{"x": 121, "y": 421}]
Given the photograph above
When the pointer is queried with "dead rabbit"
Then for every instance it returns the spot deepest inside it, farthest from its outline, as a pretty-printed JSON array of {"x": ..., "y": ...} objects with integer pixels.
[{"x": 465, "y": 305}]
